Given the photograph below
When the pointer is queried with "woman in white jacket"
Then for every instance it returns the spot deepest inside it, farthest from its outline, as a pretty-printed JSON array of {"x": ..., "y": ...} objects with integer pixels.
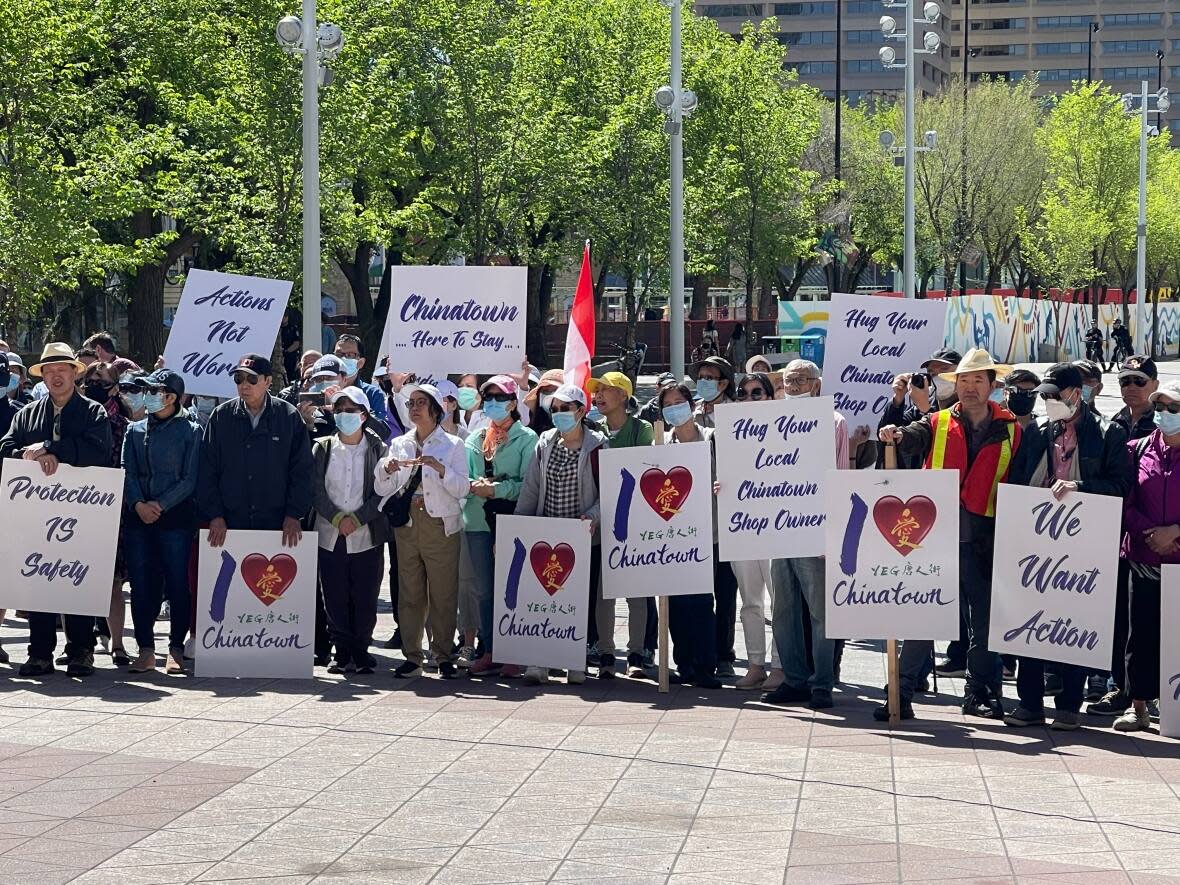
[{"x": 430, "y": 466}]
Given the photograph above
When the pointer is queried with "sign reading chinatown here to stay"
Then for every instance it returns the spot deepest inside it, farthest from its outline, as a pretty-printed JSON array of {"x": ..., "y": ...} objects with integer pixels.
[
  {"x": 1054, "y": 576},
  {"x": 657, "y": 520},
  {"x": 542, "y": 594},
  {"x": 1170, "y": 651},
  {"x": 256, "y": 606},
  {"x": 870, "y": 341},
  {"x": 893, "y": 554},
  {"x": 221, "y": 317},
  {"x": 772, "y": 459},
  {"x": 445, "y": 320},
  {"x": 57, "y": 550}
]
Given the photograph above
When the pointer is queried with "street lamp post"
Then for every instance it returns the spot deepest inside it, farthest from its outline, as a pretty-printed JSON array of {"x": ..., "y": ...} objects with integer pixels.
[
  {"x": 839, "y": 91},
  {"x": 1159, "y": 83},
  {"x": 1161, "y": 105},
  {"x": 1094, "y": 29},
  {"x": 967, "y": 55}
]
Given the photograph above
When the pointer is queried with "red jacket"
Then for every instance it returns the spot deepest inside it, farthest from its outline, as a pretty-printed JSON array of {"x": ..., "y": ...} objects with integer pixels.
[{"x": 948, "y": 449}]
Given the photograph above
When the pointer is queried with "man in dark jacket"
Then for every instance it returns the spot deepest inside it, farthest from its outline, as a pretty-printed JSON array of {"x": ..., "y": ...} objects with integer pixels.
[
  {"x": 1071, "y": 450},
  {"x": 62, "y": 428},
  {"x": 926, "y": 392},
  {"x": 255, "y": 461},
  {"x": 8, "y": 407}
]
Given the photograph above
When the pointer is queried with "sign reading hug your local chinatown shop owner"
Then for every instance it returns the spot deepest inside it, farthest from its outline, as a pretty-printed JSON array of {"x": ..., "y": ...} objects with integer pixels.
[
  {"x": 1055, "y": 575},
  {"x": 221, "y": 317},
  {"x": 772, "y": 460},
  {"x": 57, "y": 550}
]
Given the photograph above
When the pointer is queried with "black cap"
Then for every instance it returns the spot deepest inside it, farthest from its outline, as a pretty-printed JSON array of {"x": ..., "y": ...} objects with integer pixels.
[
  {"x": 1138, "y": 365},
  {"x": 723, "y": 366},
  {"x": 166, "y": 378},
  {"x": 1061, "y": 377},
  {"x": 946, "y": 355},
  {"x": 665, "y": 378},
  {"x": 1089, "y": 369},
  {"x": 1021, "y": 376},
  {"x": 253, "y": 363}
]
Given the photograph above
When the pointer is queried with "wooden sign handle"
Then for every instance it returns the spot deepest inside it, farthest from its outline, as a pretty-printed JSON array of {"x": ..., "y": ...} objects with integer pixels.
[
  {"x": 894, "y": 690},
  {"x": 662, "y": 602}
]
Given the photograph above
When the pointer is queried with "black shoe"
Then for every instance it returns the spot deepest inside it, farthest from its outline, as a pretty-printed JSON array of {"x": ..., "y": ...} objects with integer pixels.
[
  {"x": 683, "y": 677},
  {"x": 707, "y": 682},
  {"x": 120, "y": 658},
  {"x": 323, "y": 660},
  {"x": 366, "y": 665},
  {"x": 446, "y": 670},
  {"x": 395, "y": 641},
  {"x": 81, "y": 665},
  {"x": 952, "y": 669},
  {"x": 407, "y": 669},
  {"x": 36, "y": 667},
  {"x": 821, "y": 699},
  {"x": 881, "y": 713},
  {"x": 787, "y": 694},
  {"x": 606, "y": 667},
  {"x": 985, "y": 707},
  {"x": 1113, "y": 703},
  {"x": 725, "y": 669},
  {"x": 341, "y": 667},
  {"x": 635, "y": 667}
]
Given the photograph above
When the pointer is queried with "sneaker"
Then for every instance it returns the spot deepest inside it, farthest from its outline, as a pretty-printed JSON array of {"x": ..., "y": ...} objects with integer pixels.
[
  {"x": 754, "y": 678},
  {"x": 774, "y": 680},
  {"x": 81, "y": 666},
  {"x": 1066, "y": 720},
  {"x": 606, "y": 666},
  {"x": 36, "y": 667},
  {"x": 1095, "y": 688},
  {"x": 1022, "y": 716},
  {"x": 338, "y": 666},
  {"x": 577, "y": 677},
  {"x": 635, "y": 666},
  {"x": 535, "y": 676},
  {"x": 986, "y": 707},
  {"x": 821, "y": 699},
  {"x": 881, "y": 712},
  {"x": 485, "y": 666},
  {"x": 1133, "y": 721},
  {"x": 145, "y": 663},
  {"x": 787, "y": 694},
  {"x": 395, "y": 641},
  {"x": 951, "y": 669},
  {"x": 102, "y": 644},
  {"x": 447, "y": 670},
  {"x": 1113, "y": 703},
  {"x": 174, "y": 662},
  {"x": 725, "y": 669},
  {"x": 430, "y": 665},
  {"x": 407, "y": 669},
  {"x": 511, "y": 671},
  {"x": 1053, "y": 685},
  {"x": 190, "y": 648},
  {"x": 466, "y": 657}
]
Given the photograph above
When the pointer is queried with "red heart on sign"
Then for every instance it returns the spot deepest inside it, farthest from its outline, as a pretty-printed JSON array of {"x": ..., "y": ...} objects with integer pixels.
[
  {"x": 666, "y": 493},
  {"x": 268, "y": 579},
  {"x": 904, "y": 524},
  {"x": 552, "y": 565}
]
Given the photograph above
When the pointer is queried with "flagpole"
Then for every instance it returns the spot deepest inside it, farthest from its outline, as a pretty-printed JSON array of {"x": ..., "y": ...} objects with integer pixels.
[{"x": 676, "y": 232}]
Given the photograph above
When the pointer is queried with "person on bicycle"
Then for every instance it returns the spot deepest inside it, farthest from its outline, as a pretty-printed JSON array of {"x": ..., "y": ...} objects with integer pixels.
[
  {"x": 1094, "y": 346},
  {"x": 1123, "y": 348}
]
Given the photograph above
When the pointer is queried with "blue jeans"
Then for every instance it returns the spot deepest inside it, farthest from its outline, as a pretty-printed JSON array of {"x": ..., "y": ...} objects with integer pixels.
[
  {"x": 479, "y": 546},
  {"x": 157, "y": 564},
  {"x": 797, "y": 580}
]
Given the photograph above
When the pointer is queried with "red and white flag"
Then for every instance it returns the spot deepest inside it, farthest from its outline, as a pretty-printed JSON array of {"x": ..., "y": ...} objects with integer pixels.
[{"x": 579, "y": 337}]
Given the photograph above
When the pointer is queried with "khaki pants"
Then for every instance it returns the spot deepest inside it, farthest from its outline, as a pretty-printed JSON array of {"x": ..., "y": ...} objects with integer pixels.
[{"x": 427, "y": 557}]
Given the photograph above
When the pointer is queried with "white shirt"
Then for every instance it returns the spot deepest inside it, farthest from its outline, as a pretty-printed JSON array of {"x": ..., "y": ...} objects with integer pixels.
[
  {"x": 443, "y": 495},
  {"x": 345, "y": 483}
]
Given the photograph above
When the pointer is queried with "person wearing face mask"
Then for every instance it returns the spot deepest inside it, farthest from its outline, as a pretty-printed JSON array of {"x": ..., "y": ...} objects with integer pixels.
[
  {"x": 1091, "y": 383},
  {"x": 16, "y": 383},
  {"x": 798, "y": 600},
  {"x": 350, "y": 350},
  {"x": 922, "y": 399},
  {"x": 979, "y": 438},
  {"x": 298, "y": 379},
  {"x": 9, "y": 381},
  {"x": 351, "y": 529},
  {"x": 539, "y": 399},
  {"x": 714, "y": 385},
  {"x": 472, "y": 416},
  {"x": 561, "y": 482},
  {"x": 161, "y": 457},
  {"x": 650, "y": 411},
  {"x": 1020, "y": 395},
  {"x": 1070, "y": 450}
]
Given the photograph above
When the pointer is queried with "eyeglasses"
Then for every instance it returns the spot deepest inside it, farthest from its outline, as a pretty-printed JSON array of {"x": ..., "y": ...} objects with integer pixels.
[
  {"x": 1173, "y": 408},
  {"x": 241, "y": 378},
  {"x": 500, "y": 397},
  {"x": 565, "y": 407},
  {"x": 1132, "y": 379},
  {"x": 756, "y": 393},
  {"x": 418, "y": 402},
  {"x": 158, "y": 391}
]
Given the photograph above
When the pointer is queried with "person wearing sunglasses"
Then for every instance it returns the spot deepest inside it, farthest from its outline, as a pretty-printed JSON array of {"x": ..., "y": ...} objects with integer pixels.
[
  {"x": 1138, "y": 380},
  {"x": 1072, "y": 449},
  {"x": 256, "y": 465}
]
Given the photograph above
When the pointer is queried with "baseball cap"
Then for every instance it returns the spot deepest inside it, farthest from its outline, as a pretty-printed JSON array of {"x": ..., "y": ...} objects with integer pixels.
[
  {"x": 611, "y": 379},
  {"x": 1169, "y": 389},
  {"x": 1060, "y": 377},
  {"x": 504, "y": 382},
  {"x": 429, "y": 389},
  {"x": 664, "y": 379},
  {"x": 382, "y": 370},
  {"x": 353, "y": 394},
  {"x": 568, "y": 393},
  {"x": 253, "y": 364},
  {"x": 1139, "y": 366},
  {"x": 166, "y": 378},
  {"x": 327, "y": 366},
  {"x": 15, "y": 360},
  {"x": 945, "y": 355},
  {"x": 1021, "y": 376},
  {"x": 447, "y": 388},
  {"x": 1089, "y": 369}
]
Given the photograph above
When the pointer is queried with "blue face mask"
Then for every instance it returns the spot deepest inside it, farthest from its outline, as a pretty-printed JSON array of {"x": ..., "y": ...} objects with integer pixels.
[
  {"x": 681, "y": 413},
  {"x": 13, "y": 385},
  {"x": 565, "y": 421},
  {"x": 1087, "y": 394},
  {"x": 496, "y": 411},
  {"x": 1168, "y": 423},
  {"x": 707, "y": 389},
  {"x": 997, "y": 396},
  {"x": 349, "y": 423},
  {"x": 319, "y": 387},
  {"x": 153, "y": 402},
  {"x": 350, "y": 366},
  {"x": 133, "y": 401},
  {"x": 595, "y": 416}
]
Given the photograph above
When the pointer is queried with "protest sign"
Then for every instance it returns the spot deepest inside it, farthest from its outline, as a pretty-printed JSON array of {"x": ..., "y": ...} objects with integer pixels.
[
  {"x": 57, "y": 550},
  {"x": 256, "y": 606},
  {"x": 872, "y": 340},
  {"x": 445, "y": 320},
  {"x": 657, "y": 520},
  {"x": 221, "y": 317},
  {"x": 1054, "y": 576},
  {"x": 892, "y": 569},
  {"x": 542, "y": 596},
  {"x": 1170, "y": 651},
  {"x": 772, "y": 459}
]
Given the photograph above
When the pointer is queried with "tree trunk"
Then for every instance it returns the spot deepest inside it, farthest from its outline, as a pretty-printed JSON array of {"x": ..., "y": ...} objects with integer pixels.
[
  {"x": 534, "y": 318},
  {"x": 546, "y": 303},
  {"x": 599, "y": 290},
  {"x": 632, "y": 312},
  {"x": 355, "y": 268},
  {"x": 699, "y": 307},
  {"x": 145, "y": 304},
  {"x": 767, "y": 303}
]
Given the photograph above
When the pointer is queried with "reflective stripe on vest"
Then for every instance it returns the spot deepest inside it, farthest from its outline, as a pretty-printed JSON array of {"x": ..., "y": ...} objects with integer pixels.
[
  {"x": 1001, "y": 468},
  {"x": 941, "y": 429}
]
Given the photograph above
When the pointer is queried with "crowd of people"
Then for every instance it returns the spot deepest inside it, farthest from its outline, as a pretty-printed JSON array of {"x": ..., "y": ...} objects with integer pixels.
[{"x": 412, "y": 477}]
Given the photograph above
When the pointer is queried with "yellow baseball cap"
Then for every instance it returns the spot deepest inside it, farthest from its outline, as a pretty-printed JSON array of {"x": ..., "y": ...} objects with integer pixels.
[{"x": 611, "y": 379}]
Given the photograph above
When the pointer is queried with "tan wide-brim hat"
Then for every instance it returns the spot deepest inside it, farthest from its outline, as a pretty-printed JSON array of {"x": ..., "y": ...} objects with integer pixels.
[
  {"x": 56, "y": 352},
  {"x": 976, "y": 360}
]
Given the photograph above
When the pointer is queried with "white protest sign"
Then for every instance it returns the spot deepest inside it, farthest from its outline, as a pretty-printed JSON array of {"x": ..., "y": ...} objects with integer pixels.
[
  {"x": 871, "y": 339},
  {"x": 657, "y": 520},
  {"x": 542, "y": 597},
  {"x": 57, "y": 550},
  {"x": 256, "y": 606},
  {"x": 466, "y": 320},
  {"x": 892, "y": 569},
  {"x": 772, "y": 459},
  {"x": 221, "y": 317},
  {"x": 1170, "y": 651},
  {"x": 1054, "y": 576}
]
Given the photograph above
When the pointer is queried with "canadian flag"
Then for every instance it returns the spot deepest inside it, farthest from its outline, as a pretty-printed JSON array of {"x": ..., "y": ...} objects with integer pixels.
[{"x": 579, "y": 337}]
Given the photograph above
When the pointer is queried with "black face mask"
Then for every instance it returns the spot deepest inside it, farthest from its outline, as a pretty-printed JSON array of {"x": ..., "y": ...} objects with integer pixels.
[
  {"x": 1021, "y": 402},
  {"x": 5, "y": 377},
  {"x": 97, "y": 391}
]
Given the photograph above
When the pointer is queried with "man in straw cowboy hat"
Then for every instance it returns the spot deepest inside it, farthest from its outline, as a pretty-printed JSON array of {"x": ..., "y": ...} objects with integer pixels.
[
  {"x": 62, "y": 428},
  {"x": 978, "y": 438}
]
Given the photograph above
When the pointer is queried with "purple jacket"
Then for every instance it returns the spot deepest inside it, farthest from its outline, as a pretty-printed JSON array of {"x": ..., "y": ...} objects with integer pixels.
[{"x": 1154, "y": 499}]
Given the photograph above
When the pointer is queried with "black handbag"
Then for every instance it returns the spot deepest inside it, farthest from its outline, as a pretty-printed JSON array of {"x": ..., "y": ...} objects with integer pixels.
[
  {"x": 397, "y": 508},
  {"x": 493, "y": 507}
]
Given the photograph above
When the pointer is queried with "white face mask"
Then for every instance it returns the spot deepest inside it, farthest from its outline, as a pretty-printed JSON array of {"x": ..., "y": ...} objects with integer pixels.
[
  {"x": 1057, "y": 410},
  {"x": 944, "y": 389},
  {"x": 798, "y": 396}
]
